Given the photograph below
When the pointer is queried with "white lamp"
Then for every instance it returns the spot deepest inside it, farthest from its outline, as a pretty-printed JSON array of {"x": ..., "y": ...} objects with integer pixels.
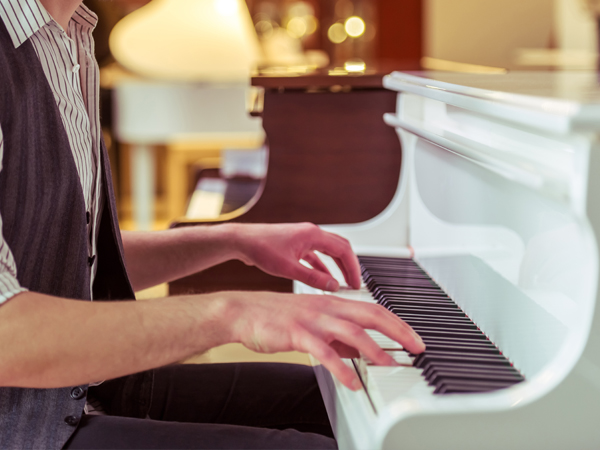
[{"x": 188, "y": 40}]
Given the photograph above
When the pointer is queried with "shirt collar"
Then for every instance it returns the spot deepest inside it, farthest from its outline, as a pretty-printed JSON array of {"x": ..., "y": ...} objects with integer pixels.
[{"x": 24, "y": 18}]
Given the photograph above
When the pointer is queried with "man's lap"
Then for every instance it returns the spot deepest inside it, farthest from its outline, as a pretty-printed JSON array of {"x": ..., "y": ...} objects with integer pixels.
[{"x": 246, "y": 405}]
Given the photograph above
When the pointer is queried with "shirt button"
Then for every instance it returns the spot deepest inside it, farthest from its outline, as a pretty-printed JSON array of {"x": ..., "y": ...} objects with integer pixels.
[
  {"x": 87, "y": 217},
  {"x": 75, "y": 68},
  {"x": 77, "y": 393},
  {"x": 91, "y": 260},
  {"x": 72, "y": 420}
]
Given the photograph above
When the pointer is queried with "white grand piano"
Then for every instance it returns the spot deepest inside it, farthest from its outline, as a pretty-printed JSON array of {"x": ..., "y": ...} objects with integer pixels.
[{"x": 499, "y": 207}]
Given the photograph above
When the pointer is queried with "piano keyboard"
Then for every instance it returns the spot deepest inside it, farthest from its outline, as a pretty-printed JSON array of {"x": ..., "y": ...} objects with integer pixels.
[{"x": 459, "y": 357}]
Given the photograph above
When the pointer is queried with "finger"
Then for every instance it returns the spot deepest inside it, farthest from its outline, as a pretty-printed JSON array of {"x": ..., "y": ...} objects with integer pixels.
[
  {"x": 330, "y": 359},
  {"x": 316, "y": 262},
  {"x": 315, "y": 278},
  {"x": 353, "y": 336},
  {"x": 375, "y": 317},
  {"x": 342, "y": 268},
  {"x": 339, "y": 249}
]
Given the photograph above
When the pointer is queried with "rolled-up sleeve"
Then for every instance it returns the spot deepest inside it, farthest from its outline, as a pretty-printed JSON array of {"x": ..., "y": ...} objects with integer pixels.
[{"x": 9, "y": 285}]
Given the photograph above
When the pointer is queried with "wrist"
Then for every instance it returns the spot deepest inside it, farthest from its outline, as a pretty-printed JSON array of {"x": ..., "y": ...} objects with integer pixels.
[
  {"x": 214, "y": 316},
  {"x": 236, "y": 241}
]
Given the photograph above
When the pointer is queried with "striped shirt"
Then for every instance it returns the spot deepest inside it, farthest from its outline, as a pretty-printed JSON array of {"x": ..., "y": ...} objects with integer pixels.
[{"x": 67, "y": 58}]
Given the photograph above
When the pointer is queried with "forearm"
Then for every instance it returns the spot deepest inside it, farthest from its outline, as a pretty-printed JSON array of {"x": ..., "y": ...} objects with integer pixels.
[
  {"x": 161, "y": 256},
  {"x": 50, "y": 342}
]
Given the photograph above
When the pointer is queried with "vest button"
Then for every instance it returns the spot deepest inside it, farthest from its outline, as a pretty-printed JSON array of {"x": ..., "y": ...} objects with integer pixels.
[
  {"x": 72, "y": 420},
  {"x": 77, "y": 393},
  {"x": 91, "y": 260}
]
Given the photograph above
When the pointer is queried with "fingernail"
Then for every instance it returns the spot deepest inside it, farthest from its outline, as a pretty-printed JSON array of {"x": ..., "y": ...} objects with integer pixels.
[
  {"x": 356, "y": 384},
  {"x": 332, "y": 286},
  {"x": 419, "y": 340}
]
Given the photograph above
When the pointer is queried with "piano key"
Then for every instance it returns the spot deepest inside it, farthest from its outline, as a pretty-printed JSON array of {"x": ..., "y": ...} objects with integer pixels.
[
  {"x": 457, "y": 362},
  {"x": 426, "y": 309},
  {"x": 400, "y": 303},
  {"x": 433, "y": 316},
  {"x": 441, "y": 323},
  {"x": 471, "y": 386},
  {"x": 435, "y": 357},
  {"x": 459, "y": 357},
  {"x": 463, "y": 348},
  {"x": 470, "y": 342},
  {"x": 448, "y": 331},
  {"x": 383, "y": 341},
  {"x": 467, "y": 367},
  {"x": 441, "y": 377}
]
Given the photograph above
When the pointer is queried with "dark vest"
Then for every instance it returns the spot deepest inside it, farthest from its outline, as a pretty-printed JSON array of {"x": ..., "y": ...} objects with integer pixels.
[{"x": 44, "y": 223}]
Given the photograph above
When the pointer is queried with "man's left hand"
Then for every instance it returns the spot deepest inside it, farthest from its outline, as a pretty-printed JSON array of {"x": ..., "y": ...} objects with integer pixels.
[{"x": 278, "y": 249}]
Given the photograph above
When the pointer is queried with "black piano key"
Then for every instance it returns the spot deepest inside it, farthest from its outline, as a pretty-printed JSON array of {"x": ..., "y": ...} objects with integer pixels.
[
  {"x": 463, "y": 348},
  {"x": 434, "y": 357},
  {"x": 433, "y": 370},
  {"x": 400, "y": 303},
  {"x": 442, "y": 333},
  {"x": 398, "y": 282},
  {"x": 471, "y": 386},
  {"x": 470, "y": 342},
  {"x": 442, "y": 376},
  {"x": 390, "y": 300},
  {"x": 385, "y": 289},
  {"x": 427, "y": 316},
  {"x": 450, "y": 332},
  {"x": 426, "y": 309},
  {"x": 442, "y": 323},
  {"x": 467, "y": 365},
  {"x": 402, "y": 276}
]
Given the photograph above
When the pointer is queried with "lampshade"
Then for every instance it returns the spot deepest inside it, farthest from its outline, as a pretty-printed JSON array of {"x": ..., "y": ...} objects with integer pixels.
[{"x": 188, "y": 40}]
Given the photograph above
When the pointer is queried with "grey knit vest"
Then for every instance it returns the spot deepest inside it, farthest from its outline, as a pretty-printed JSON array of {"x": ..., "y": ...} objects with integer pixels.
[{"x": 44, "y": 223}]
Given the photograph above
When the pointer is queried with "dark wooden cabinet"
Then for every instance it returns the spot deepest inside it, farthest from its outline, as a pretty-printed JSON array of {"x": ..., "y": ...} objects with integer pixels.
[{"x": 332, "y": 160}]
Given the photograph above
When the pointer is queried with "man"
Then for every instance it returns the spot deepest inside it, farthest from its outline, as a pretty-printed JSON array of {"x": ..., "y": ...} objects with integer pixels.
[{"x": 60, "y": 243}]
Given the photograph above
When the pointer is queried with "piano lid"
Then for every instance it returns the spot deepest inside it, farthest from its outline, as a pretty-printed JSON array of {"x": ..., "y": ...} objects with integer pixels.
[
  {"x": 558, "y": 102},
  {"x": 353, "y": 74}
]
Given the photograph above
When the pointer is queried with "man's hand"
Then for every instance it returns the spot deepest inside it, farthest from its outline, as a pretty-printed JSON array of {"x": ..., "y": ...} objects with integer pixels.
[
  {"x": 315, "y": 324},
  {"x": 278, "y": 249}
]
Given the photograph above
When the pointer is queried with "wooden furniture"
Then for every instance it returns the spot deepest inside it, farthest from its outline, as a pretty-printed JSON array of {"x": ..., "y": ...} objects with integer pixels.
[
  {"x": 332, "y": 160},
  {"x": 183, "y": 117}
]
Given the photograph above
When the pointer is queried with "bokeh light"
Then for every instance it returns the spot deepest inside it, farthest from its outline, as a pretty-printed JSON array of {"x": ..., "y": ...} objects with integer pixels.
[
  {"x": 337, "y": 33},
  {"x": 264, "y": 28},
  {"x": 354, "y": 26},
  {"x": 311, "y": 24},
  {"x": 297, "y": 27},
  {"x": 226, "y": 7},
  {"x": 355, "y": 65}
]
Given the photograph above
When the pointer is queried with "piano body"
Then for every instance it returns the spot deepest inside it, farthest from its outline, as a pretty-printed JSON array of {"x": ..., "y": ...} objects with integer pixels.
[{"x": 499, "y": 203}]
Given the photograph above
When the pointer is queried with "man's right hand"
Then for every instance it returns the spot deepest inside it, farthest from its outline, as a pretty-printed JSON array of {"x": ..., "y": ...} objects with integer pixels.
[
  {"x": 322, "y": 325},
  {"x": 48, "y": 342}
]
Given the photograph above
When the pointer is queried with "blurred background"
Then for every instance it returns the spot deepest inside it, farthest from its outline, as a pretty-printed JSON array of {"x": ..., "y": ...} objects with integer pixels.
[
  {"x": 177, "y": 50},
  {"x": 218, "y": 110}
]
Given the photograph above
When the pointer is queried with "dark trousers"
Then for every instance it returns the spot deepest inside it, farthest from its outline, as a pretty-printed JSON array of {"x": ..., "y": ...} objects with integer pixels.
[{"x": 217, "y": 406}]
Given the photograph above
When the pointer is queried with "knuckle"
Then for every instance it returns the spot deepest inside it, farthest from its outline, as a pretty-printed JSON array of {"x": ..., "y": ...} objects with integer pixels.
[
  {"x": 353, "y": 331},
  {"x": 313, "y": 277},
  {"x": 327, "y": 352}
]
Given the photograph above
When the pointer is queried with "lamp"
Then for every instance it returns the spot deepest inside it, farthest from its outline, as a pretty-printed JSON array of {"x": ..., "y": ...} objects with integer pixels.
[{"x": 188, "y": 40}]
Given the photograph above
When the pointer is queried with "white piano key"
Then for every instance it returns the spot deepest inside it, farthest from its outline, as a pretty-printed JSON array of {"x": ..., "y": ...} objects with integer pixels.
[
  {"x": 385, "y": 384},
  {"x": 383, "y": 341}
]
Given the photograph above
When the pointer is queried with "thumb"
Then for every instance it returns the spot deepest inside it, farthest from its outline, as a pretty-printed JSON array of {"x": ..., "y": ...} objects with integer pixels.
[{"x": 315, "y": 278}]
